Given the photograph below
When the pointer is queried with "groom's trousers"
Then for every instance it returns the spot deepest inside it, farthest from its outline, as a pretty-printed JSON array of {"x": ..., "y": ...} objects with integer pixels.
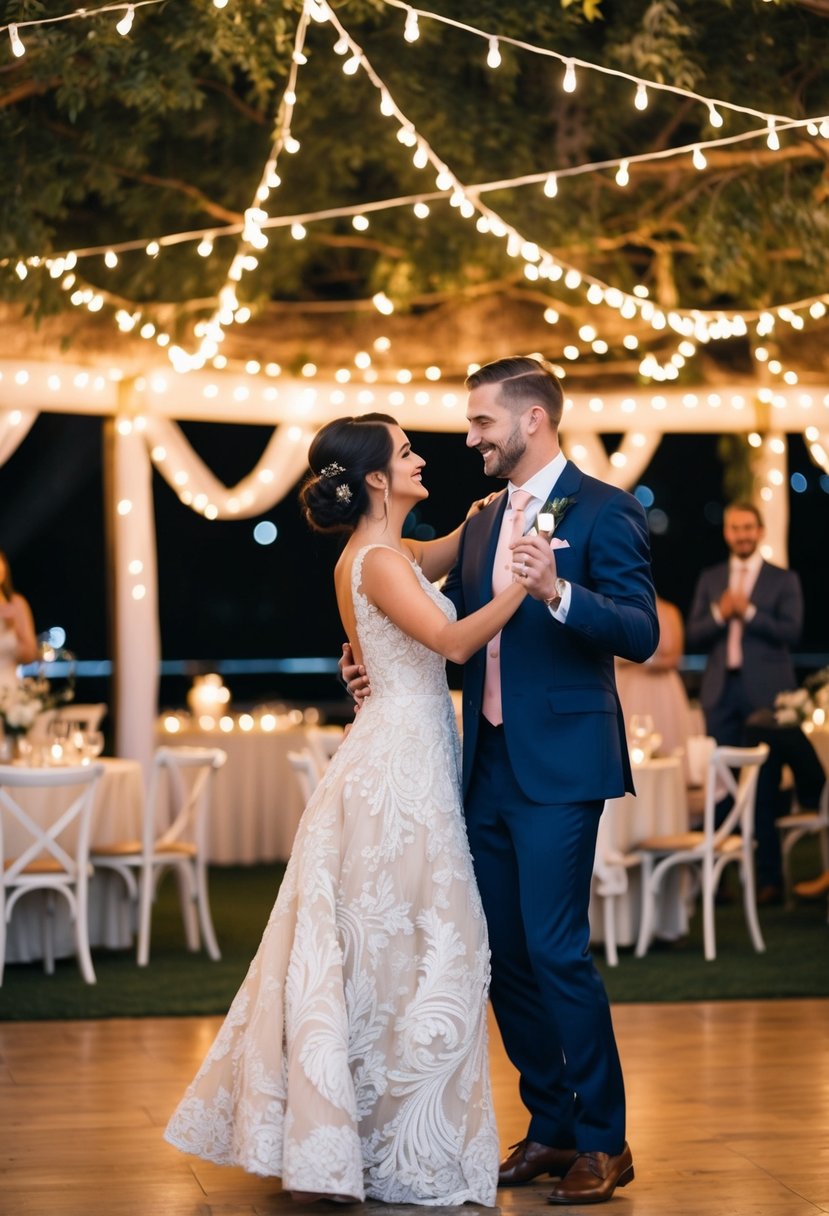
[{"x": 534, "y": 864}]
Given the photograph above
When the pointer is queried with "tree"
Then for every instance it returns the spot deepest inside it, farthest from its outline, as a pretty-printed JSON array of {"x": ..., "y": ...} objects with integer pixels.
[{"x": 110, "y": 139}]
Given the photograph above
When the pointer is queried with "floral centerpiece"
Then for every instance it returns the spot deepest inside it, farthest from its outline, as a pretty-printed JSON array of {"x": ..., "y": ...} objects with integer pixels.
[
  {"x": 809, "y": 703},
  {"x": 23, "y": 702}
]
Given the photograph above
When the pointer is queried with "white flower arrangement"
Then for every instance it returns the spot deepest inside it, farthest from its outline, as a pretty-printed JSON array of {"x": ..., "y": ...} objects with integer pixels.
[
  {"x": 21, "y": 703},
  {"x": 810, "y": 703}
]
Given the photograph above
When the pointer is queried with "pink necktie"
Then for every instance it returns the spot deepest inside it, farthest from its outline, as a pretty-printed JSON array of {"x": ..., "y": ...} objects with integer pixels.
[
  {"x": 734, "y": 640},
  {"x": 512, "y": 528}
]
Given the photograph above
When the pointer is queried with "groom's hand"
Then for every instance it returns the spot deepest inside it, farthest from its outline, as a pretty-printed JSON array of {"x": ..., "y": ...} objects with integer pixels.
[{"x": 354, "y": 676}]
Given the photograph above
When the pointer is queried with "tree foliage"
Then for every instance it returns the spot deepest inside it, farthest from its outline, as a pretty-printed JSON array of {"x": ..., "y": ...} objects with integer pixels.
[{"x": 106, "y": 139}]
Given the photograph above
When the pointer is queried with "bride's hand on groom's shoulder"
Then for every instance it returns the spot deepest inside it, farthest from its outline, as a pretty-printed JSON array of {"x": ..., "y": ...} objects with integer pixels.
[
  {"x": 354, "y": 676},
  {"x": 480, "y": 503}
]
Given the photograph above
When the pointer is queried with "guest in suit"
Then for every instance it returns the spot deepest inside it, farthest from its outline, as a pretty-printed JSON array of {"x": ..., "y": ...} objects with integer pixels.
[
  {"x": 747, "y": 613},
  {"x": 544, "y": 745}
]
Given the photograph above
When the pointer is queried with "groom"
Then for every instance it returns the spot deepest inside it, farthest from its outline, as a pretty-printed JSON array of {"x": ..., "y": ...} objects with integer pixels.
[{"x": 543, "y": 747}]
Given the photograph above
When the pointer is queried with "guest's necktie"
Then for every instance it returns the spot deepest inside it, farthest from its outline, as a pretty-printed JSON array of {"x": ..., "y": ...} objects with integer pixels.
[
  {"x": 512, "y": 529},
  {"x": 734, "y": 640}
]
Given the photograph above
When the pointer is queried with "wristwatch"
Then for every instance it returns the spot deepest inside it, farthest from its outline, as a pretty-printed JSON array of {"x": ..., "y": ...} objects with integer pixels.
[{"x": 554, "y": 600}]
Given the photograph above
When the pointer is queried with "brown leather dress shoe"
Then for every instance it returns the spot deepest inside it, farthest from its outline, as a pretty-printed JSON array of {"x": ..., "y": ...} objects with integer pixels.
[
  {"x": 593, "y": 1178},
  {"x": 529, "y": 1160}
]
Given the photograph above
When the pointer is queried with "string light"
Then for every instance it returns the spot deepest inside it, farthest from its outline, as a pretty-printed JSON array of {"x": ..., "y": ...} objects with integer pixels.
[
  {"x": 569, "y": 82},
  {"x": 773, "y": 140},
  {"x": 462, "y": 198},
  {"x": 493, "y": 58},
  {"x": 641, "y": 98},
  {"x": 18, "y": 49},
  {"x": 411, "y": 30},
  {"x": 125, "y": 24},
  {"x": 529, "y": 47},
  {"x": 714, "y": 116},
  {"x": 698, "y": 158}
]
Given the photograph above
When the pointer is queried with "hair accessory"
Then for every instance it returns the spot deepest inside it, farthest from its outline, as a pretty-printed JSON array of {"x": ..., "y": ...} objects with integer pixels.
[
  {"x": 332, "y": 470},
  {"x": 343, "y": 492}
]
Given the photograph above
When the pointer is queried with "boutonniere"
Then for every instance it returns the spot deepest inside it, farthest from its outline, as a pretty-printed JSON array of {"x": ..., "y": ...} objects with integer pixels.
[{"x": 552, "y": 513}]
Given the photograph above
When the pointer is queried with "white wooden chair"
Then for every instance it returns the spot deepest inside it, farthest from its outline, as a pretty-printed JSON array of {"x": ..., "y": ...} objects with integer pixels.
[
  {"x": 795, "y": 827},
  {"x": 710, "y": 850},
  {"x": 176, "y": 818},
  {"x": 52, "y": 857},
  {"x": 610, "y": 881},
  {"x": 307, "y": 772},
  {"x": 83, "y": 716}
]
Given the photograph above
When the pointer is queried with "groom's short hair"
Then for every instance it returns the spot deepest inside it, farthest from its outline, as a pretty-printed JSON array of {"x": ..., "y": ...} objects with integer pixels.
[{"x": 524, "y": 382}]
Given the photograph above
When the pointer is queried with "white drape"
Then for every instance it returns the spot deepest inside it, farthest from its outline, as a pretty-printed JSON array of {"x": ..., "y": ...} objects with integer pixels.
[
  {"x": 623, "y": 467},
  {"x": 14, "y": 427},
  {"x": 276, "y": 472}
]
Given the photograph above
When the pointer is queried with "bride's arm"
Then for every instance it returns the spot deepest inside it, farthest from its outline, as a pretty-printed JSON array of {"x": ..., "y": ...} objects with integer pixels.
[
  {"x": 437, "y": 557},
  {"x": 391, "y": 584}
]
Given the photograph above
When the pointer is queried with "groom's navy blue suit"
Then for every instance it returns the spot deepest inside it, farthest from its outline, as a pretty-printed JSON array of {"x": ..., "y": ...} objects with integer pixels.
[{"x": 534, "y": 789}]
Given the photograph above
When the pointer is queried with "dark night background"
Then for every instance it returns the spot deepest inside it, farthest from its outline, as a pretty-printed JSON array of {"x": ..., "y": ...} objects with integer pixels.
[{"x": 223, "y": 596}]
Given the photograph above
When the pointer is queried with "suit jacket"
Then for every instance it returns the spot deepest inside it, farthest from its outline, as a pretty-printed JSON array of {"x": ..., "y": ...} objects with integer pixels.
[
  {"x": 776, "y": 626},
  {"x": 563, "y": 723}
]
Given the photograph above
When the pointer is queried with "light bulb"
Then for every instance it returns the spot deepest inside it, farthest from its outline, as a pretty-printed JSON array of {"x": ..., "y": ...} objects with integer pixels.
[
  {"x": 493, "y": 59},
  {"x": 551, "y": 185},
  {"x": 773, "y": 139},
  {"x": 204, "y": 247},
  {"x": 411, "y": 31},
  {"x": 298, "y": 231},
  {"x": 18, "y": 48},
  {"x": 569, "y": 82},
  {"x": 111, "y": 259},
  {"x": 351, "y": 65},
  {"x": 125, "y": 24},
  {"x": 622, "y": 174},
  {"x": 641, "y": 98},
  {"x": 714, "y": 116},
  {"x": 698, "y": 158}
]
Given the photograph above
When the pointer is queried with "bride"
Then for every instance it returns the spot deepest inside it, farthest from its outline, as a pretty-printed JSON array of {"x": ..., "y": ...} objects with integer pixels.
[{"x": 353, "y": 1060}]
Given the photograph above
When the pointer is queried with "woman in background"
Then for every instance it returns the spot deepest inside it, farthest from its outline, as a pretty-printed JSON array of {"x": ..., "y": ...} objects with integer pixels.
[
  {"x": 18, "y": 643},
  {"x": 656, "y": 687}
]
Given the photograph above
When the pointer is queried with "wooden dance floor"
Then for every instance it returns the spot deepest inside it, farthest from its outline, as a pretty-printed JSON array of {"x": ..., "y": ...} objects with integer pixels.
[{"x": 728, "y": 1116}]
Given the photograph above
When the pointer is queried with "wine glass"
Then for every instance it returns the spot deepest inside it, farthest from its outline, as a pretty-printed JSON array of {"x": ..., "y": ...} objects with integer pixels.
[
  {"x": 640, "y": 731},
  {"x": 93, "y": 744}
]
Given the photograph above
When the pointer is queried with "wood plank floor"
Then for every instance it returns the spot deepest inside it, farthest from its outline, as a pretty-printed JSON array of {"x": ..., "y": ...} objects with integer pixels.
[{"x": 728, "y": 1116}]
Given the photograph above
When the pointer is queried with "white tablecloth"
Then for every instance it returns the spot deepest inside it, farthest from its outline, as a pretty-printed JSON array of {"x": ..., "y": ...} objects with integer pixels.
[
  {"x": 658, "y": 808},
  {"x": 819, "y": 738},
  {"x": 117, "y": 812},
  {"x": 256, "y": 800}
]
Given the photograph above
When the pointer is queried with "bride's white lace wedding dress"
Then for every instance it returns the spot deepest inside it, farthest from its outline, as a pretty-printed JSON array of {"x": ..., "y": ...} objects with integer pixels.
[{"x": 353, "y": 1060}]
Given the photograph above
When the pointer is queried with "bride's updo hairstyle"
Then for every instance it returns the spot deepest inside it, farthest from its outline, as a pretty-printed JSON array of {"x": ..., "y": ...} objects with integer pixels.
[{"x": 334, "y": 496}]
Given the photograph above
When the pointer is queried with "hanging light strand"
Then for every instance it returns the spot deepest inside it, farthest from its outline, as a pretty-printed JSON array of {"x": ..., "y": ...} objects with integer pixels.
[
  {"x": 571, "y": 63},
  {"x": 81, "y": 14}
]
